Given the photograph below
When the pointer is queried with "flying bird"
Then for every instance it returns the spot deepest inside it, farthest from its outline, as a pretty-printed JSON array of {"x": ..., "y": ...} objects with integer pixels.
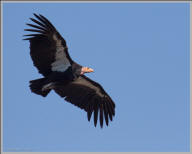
[{"x": 49, "y": 53}]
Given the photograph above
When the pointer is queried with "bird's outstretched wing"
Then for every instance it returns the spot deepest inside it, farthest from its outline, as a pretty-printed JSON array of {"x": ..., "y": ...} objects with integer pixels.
[
  {"x": 48, "y": 49},
  {"x": 90, "y": 96}
]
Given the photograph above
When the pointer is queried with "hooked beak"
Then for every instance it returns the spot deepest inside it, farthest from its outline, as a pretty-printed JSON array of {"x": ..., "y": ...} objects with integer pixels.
[{"x": 86, "y": 70}]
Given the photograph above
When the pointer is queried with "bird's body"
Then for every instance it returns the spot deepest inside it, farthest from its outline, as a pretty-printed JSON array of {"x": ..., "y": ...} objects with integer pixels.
[{"x": 50, "y": 56}]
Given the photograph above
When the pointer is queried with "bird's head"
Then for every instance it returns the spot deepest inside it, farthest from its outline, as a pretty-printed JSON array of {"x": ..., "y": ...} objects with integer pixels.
[{"x": 86, "y": 70}]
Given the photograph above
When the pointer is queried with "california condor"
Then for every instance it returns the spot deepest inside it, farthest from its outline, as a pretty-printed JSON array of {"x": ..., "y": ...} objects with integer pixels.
[{"x": 50, "y": 56}]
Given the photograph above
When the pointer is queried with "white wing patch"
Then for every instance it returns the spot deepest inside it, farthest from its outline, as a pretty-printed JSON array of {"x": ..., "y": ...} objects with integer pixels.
[{"x": 62, "y": 63}]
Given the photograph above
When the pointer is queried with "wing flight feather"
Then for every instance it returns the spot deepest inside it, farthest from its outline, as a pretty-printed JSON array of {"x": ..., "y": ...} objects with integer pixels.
[
  {"x": 89, "y": 96},
  {"x": 48, "y": 49}
]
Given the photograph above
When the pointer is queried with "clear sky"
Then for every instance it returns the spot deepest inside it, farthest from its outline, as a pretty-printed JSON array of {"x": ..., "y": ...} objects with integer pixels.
[{"x": 140, "y": 54}]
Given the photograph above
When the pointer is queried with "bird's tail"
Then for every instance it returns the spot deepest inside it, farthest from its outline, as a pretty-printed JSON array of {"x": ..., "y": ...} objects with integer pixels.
[{"x": 36, "y": 87}]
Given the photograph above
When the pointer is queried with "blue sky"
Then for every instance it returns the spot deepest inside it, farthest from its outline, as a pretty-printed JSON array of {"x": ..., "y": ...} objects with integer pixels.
[{"x": 140, "y": 54}]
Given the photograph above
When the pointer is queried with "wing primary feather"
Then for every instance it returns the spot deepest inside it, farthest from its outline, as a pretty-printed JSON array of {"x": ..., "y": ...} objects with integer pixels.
[
  {"x": 106, "y": 114},
  {"x": 37, "y": 22},
  {"x": 101, "y": 115},
  {"x": 86, "y": 101},
  {"x": 90, "y": 106},
  {"x": 112, "y": 109},
  {"x": 111, "y": 106},
  {"x": 34, "y": 35},
  {"x": 90, "y": 111},
  {"x": 47, "y": 21},
  {"x": 43, "y": 21},
  {"x": 34, "y": 30},
  {"x": 109, "y": 111},
  {"x": 95, "y": 113},
  {"x": 27, "y": 38},
  {"x": 35, "y": 26},
  {"x": 110, "y": 100},
  {"x": 108, "y": 97}
]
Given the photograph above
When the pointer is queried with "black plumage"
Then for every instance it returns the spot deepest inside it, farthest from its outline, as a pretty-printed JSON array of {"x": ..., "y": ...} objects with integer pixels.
[{"x": 49, "y": 53}]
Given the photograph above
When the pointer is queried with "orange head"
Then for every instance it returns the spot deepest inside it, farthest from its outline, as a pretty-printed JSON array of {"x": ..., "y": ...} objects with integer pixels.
[{"x": 86, "y": 70}]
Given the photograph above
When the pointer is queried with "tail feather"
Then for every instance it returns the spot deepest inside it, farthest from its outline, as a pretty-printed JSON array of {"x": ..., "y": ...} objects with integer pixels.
[{"x": 37, "y": 85}]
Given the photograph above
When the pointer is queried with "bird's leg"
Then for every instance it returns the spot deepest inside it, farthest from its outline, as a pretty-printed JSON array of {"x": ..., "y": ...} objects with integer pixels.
[{"x": 48, "y": 86}]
